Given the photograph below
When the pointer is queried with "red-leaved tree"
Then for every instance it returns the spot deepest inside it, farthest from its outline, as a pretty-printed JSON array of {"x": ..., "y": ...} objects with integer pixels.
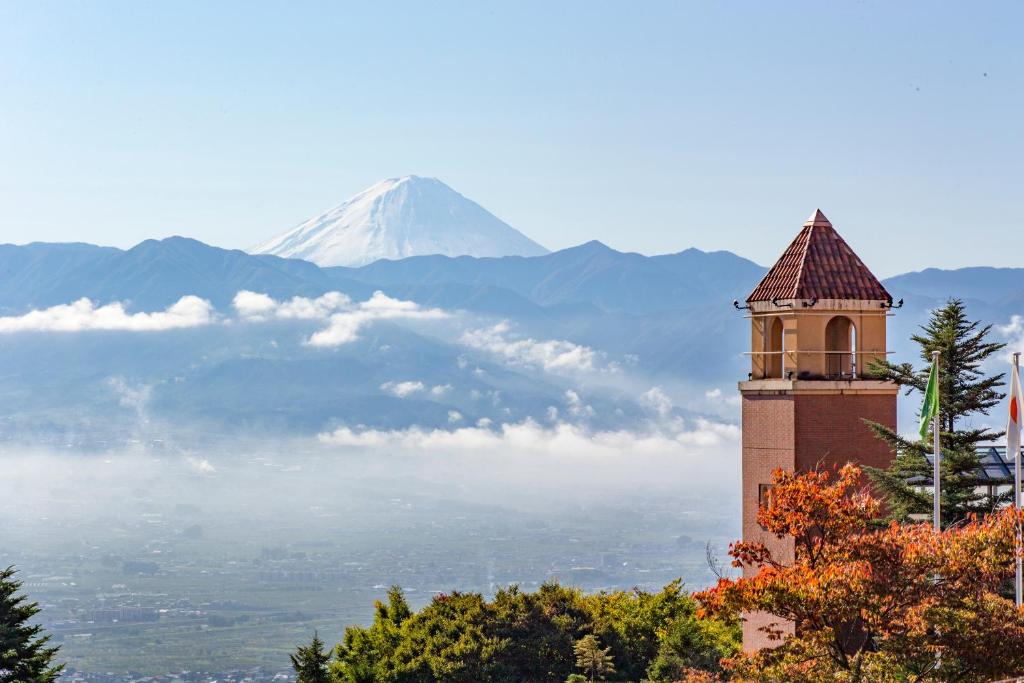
[{"x": 901, "y": 603}]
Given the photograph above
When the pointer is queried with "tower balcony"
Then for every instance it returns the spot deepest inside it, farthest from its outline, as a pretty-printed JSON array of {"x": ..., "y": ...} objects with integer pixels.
[{"x": 814, "y": 365}]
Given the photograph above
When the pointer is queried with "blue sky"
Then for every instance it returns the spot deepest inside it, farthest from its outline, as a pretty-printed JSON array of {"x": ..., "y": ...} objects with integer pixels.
[{"x": 649, "y": 126}]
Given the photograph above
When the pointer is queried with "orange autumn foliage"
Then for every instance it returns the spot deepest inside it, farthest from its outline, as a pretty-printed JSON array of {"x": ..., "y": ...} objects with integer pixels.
[{"x": 899, "y": 603}]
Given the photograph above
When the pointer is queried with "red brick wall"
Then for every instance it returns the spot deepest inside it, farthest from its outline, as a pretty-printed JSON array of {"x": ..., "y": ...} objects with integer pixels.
[
  {"x": 769, "y": 440},
  {"x": 801, "y": 431},
  {"x": 830, "y": 430}
]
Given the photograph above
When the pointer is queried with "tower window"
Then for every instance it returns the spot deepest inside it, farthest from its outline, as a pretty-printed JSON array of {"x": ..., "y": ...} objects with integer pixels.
[
  {"x": 776, "y": 351},
  {"x": 841, "y": 348}
]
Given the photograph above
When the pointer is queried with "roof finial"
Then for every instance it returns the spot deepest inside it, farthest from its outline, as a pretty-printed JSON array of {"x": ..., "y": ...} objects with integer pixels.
[{"x": 817, "y": 219}]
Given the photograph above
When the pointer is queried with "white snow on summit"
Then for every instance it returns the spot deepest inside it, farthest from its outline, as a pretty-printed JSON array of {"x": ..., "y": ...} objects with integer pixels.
[{"x": 396, "y": 218}]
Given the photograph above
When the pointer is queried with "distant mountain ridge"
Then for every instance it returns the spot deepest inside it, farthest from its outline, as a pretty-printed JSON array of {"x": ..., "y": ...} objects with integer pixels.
[
  {"x": 155, "y": 273},
  {"x": 149, "y": 276},
  {"x": 589, "y": 273},
  {"x": 662, "y": 320},
  {"x": 397, "y": 218}
]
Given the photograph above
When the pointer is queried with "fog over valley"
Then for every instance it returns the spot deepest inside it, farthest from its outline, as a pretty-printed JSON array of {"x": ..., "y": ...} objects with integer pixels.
[{"x": 150, "y": 557}]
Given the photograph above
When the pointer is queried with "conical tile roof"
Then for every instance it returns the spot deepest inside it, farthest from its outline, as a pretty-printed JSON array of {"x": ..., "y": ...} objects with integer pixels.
[{"x": 819, "y": 264}]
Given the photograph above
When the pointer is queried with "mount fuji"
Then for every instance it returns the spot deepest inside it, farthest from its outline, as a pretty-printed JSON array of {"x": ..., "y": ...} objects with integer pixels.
[{"x": 397, "y": 218}]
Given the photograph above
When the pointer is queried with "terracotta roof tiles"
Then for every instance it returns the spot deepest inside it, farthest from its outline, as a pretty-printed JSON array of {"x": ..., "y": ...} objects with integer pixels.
[{"x": 819, "y": 264}]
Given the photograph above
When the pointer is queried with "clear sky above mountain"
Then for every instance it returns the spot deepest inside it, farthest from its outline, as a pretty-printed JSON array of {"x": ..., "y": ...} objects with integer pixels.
[{"x": 651, "y": 127}]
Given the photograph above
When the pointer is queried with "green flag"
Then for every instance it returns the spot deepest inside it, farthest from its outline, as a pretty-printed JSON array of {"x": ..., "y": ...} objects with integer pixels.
[{"x": 931, "y": 401}]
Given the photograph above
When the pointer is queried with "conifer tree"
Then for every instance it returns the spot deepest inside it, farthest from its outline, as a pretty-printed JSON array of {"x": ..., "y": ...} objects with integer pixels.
[
  {"x": 592, "y": 659},
  {"x": 965, "y": 391},
  {"x": 310, "y": 662},
  {"x": 25, "y": 656}
]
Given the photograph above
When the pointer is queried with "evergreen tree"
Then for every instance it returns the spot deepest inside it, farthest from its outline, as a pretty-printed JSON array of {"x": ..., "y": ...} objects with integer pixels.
[
  {"x": 592, "y": 659},
  {"x": 24, "y": 654},
  {"x": 367, "y": 655},
  {"x": 310, "y": 662},
  {"x": 965, "y": 391},
  {"x": 556, "y": 633}
]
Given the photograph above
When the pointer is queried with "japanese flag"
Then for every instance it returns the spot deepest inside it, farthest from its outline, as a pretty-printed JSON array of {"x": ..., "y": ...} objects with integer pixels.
[{"x": 1013, "y": 425}]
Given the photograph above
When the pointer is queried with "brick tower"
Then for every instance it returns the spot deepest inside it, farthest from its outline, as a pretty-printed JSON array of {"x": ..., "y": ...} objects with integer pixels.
[{"x": 817, "y": 321}]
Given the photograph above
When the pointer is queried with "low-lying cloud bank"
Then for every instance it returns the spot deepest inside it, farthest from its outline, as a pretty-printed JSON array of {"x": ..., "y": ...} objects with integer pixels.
[
  {"x": 344, "y": 318},
  {"x": 84, "y": 315},
  {"x": 257, "y": 307},
  {"x": 529, "y": 436}
]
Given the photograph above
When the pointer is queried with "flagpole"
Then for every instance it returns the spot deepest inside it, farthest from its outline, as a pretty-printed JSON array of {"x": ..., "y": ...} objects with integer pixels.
[
  {"x": 936, "y": 485},
  {"x": 1018, "y": 583}
]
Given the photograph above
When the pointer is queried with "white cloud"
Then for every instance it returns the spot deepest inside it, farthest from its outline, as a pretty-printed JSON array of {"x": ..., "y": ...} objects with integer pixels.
[
  {"x": 200, "y": 465},
  {"x": 402, "y": 389},
  {"x": 454, "y": 416},
  {"x": 716, "y": 396},
  {"x": 528, "y": 436},
  {"x": 128, "y": 396},
  {"x": 577, "y": 407},
  {"x": 83, "y": 315},
  {"x": 344, "y": 327},
  {"x": 441, "y": 389},
  {"x": 344, "y": 317},
  {"x": 255, "y": 306},
  {"x": 554, "y": 355},
  {"x": 1014, "y": 333},
  {"x": 657, "y": 400}
]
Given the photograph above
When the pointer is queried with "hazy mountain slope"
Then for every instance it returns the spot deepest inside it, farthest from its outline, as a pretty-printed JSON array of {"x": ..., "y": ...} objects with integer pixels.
[
  {"x": 152, "y": 275},
  {"x": 34, "y": 273},
  {"x": 397, "y": 218},
  {"x": 583, "y": 279},
  {"x": 260, "y": 378},
  {"x": 591, "y": 273},
  {"x": 994, "y": 286}
]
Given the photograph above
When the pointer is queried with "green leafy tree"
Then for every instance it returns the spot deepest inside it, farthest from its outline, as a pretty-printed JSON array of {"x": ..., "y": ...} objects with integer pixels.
[
  {"x": 311, "y": 662},
  {"x": 540, "y": 629},
  {"x": 449, "y": 640},
  {"x": 691, "y": 644},
  {"x": 524, "y": 637},
  {"x": 595, "y": 661},
  {"x": 965, "y": 391},
  {"x": 25, "y": 654},
  {"x": 366, "y": 655},
  {"x": 637, "y": 626}
]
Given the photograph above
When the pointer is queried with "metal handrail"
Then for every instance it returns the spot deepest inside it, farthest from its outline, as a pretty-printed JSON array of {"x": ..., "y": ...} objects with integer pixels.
[{"x": 797, "y": 351}]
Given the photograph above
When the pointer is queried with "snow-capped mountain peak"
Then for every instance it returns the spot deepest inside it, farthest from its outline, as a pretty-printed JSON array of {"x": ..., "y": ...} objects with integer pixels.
[{"x": 396, "y": 218}]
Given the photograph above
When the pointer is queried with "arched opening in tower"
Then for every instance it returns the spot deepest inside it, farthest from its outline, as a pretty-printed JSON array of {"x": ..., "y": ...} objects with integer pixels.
[
  {"x": 773, "y": 368},
  {"x": 841, "y": 348}
]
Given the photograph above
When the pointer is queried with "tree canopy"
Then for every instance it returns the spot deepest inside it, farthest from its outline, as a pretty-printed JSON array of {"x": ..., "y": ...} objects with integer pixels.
[
  {"x": 547, "y": 635},
  {"x": 900, "y": 603}
]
